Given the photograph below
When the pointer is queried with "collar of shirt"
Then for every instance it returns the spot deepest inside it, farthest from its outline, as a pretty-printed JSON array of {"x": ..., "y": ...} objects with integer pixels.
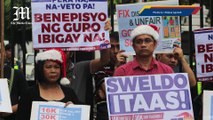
[{"x": 154, "y": 64}]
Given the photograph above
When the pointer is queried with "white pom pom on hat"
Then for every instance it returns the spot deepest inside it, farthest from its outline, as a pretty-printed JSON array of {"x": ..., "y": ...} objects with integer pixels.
[
  {"x": 55, "y": 55},
  {"x": 150, "y": 29}
]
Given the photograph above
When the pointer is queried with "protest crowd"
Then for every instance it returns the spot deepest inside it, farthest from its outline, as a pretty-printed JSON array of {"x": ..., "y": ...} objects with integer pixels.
[{"x": 138, "y": 72}]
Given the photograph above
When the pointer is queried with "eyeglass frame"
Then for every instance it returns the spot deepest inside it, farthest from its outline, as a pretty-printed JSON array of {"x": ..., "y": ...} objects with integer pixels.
[{"x": 145, "y": 40}]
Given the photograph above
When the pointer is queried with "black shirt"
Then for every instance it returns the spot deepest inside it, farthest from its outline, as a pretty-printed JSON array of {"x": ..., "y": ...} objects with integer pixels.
[
  {"x": 19, "y": 85},
  {"x": 33, "y": 94}
]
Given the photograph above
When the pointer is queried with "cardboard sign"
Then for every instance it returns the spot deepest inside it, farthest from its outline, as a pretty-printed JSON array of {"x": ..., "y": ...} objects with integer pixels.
[
  {"x": 5, "y": 103},
  {"x": 204, "y": 53},
  {"x": 128, "y": 19},
  {"x": 207, "y": 105},
  {"x": 164, "y": 97},
  {"x": 71, "y": 24},
  {"x": 57, "y": 111}
]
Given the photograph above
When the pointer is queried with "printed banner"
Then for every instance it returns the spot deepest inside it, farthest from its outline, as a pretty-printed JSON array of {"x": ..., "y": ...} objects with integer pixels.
[
  {"x": 178, "y": 10},
  {"x": 76, "y": 25},
  {"x": 57, "y": 111},
  {"x": 149, "y": 97},
  {"x": 128, "y": 19},
  {"x": 204, "y": 53},
  {"x": 5, "y": 103},
  {"x": 207, "y": 105}
]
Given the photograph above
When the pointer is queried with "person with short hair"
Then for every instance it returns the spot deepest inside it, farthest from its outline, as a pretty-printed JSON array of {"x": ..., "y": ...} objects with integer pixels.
[
  {"x": 82, "y": 72},
  {"x": 8, "y": 58},
  {"x": 145, "y": 39},
  {"x": 106, "y": 71},
  {"x": 172, "y": 59}
]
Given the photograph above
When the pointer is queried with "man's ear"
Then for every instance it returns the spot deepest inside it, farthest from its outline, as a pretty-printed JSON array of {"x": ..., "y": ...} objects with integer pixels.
[{"x": 156, "y": 44}]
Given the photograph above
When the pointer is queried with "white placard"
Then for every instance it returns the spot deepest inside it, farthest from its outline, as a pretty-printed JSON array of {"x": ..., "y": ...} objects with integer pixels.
[
  {"x": 149, "y": 97},
  {"x": 5, "y": 103},
  {"x": 204, "y": 54},
  {"x": 207, "y": 105},
  {"x": 72, "y": 24},
  {"x": 128, "y": 19},
  {"x": 57, "y": 111}
]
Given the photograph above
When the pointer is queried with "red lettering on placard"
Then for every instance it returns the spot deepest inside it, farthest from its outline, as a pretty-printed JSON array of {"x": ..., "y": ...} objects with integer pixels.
[
  {"x": 50, "y": 28},
  {"x": 207, "y": 68},
  {"x": 205, "y": 48},
  {"x": 208, "y": 57},
  {"x": 70, "y": 17},
  {"x": 58, "y": 38},
  {"x": 38, "y": 17},
  {"x": 47, "y": 117},
  {"x": 126, "y": 33},
  {"x": 123, "y": 13},
  {"x": 48, "y": 110},
  {"x": 128, "y": 42},
  {"x": 81, "y": 27},
  {"x": 93, "y": 38},
  {"x": 201, "y": 48}
]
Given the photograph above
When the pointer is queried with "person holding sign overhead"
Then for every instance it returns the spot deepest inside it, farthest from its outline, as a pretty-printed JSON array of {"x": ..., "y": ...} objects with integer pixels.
[
  {"x": 145, "y": 39},
  {"x": 101, "y": 112},
  {"x": 83, "y": 71},
  {"x": 172, "y": 60},
  {"x": 51, "y": 76}
]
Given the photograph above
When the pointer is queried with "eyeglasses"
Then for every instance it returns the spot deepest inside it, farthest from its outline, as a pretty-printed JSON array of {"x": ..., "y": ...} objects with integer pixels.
[{"x": 145, "y": 41}]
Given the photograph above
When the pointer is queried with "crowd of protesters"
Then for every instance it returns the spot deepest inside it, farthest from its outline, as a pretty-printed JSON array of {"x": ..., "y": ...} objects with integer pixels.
[
  {"x": 51, "y": 70},
  {"x": 58, "y": 79}
]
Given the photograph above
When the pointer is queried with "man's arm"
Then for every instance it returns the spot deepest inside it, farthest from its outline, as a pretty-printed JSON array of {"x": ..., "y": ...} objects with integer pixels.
[
  {"x": 185, "y": 67},
  {"x": 97, "y": 64}
]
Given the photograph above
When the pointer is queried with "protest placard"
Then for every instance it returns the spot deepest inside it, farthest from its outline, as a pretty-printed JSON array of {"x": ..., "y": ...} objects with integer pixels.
[
  {"x": 57, "y": 111},
  {"x": 72, "y": 24},
  {"x": 207, "y": 105},
  {"x": 171, "y": 10},
  {"x": 149, "y": 97},
  {"x": 204, "y": 53},
  {"x": 128, "y": 19},
  {"x": 5, "y": 103}
]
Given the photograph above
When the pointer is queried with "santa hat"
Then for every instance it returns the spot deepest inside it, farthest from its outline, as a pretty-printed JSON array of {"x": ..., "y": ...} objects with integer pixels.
[
  {"x": 150, "y": 29},
  {"x": 55, "y": 55}
]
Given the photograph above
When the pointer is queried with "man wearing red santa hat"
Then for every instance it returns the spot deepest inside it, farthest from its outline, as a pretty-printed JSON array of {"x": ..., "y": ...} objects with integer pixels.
[{"x": 145, "y": 39}]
